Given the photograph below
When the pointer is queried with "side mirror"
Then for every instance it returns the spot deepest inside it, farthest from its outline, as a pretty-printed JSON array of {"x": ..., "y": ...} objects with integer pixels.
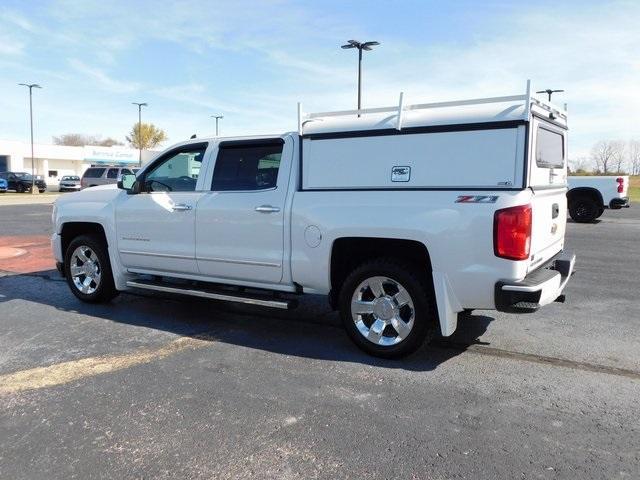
[{"x": 127, "y": 181}]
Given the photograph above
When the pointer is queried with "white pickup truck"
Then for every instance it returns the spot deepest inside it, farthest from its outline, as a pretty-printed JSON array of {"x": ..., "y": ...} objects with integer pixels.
[
  {"x": 404, "y": 216},
  {"x": 588, "y": 196}
]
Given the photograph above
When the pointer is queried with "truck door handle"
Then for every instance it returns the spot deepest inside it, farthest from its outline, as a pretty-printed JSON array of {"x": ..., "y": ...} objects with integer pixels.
[
  {"x": 267, "y": 209},
  {"x": 181, "y": 207}
]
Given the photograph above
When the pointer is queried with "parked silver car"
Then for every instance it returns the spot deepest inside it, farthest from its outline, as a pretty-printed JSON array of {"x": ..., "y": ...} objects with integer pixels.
[
  {"x": 69, "y": 183},
  {"x": 103, "y": 175}
]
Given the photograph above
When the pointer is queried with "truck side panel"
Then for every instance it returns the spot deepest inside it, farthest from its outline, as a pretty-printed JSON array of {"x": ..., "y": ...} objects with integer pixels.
[{"x": 458, "y": 235}]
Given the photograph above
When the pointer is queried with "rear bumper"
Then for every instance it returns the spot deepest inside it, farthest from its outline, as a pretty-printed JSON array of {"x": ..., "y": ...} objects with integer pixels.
[
  {"x": 617, "y": 203},
  {"x": 540, "y": 287}
]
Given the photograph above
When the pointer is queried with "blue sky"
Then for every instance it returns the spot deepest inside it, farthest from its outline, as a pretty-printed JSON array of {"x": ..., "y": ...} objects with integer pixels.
[{"x": 253, "y": 60}]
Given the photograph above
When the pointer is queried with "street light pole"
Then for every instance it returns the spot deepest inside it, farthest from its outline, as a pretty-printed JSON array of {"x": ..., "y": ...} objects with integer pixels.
[
  {"x": 217, "y": 117},
  {"x": 140, "y": 105},
  {"x": 31, "y": 86},
  {"x": 360, "y": 46}
]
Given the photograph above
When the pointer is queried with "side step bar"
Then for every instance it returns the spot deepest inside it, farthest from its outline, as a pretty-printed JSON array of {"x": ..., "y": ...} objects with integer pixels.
[{"x": 206, "y": 292}]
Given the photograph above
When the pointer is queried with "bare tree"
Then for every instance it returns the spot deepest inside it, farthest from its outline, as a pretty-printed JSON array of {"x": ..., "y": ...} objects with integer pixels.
[
  {"x": 109, "y": 142},
  {"x": 578, "y": 165},
  {"x": 619, "y": 149},
  {"x": 633, "y": 152},
  {"x": 82, "y": 139},
  {"x": 608, "y": 155}
]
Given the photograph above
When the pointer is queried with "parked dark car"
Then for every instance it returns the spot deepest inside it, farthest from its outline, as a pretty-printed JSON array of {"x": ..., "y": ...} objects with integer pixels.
[
  {"x": 69, "y": 183},
  {"x": 21, "y": 182}
]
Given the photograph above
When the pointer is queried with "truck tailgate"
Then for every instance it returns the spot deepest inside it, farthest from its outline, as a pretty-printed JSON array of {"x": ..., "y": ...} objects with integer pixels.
[{"x": 549, "y": 220}]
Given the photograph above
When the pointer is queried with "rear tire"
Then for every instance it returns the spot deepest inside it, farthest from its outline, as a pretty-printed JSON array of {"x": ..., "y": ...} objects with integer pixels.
[
  {"x": 88, "y": 270},
  {"x": 398, "y": 318},
  {"x": 600, "y": 212},
  {"x": 583, "y": 209},
  {"x": 20, "y": 188}
]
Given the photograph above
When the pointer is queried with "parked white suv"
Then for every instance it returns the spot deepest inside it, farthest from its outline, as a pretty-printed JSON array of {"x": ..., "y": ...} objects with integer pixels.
[{"x": 404, "y": 216}]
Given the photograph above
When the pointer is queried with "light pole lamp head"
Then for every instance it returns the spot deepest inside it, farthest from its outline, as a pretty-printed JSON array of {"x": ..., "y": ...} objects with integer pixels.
[
  {"x": 360, "y": 45},
  {"x": 30, "y": 85},
  {"x": 368, "y": 45},
  {"x": 140, "y": 105},
  {"x": 351, "y": 44}
]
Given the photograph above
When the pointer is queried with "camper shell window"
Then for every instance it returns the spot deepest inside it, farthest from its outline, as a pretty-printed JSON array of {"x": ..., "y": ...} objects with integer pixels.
[{"x": 549, "y": 149}]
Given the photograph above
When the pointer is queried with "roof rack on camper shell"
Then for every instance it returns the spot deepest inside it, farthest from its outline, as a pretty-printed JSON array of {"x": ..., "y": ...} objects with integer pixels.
[{"x": 477, "y": 110}]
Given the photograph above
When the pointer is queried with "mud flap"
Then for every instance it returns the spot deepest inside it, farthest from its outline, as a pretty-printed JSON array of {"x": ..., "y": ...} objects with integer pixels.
[{"x": 447, "y": 303}]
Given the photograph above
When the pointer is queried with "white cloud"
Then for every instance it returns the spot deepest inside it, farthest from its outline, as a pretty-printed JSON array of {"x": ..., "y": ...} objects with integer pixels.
[
  {"x": 10, "y": 46},
  {"x": 16, "y": 19},
  {"x": 103, "y": 80}
]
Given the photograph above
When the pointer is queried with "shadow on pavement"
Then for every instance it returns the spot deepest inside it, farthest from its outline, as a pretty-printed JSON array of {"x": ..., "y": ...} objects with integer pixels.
[{"x": 312, "y": 330}]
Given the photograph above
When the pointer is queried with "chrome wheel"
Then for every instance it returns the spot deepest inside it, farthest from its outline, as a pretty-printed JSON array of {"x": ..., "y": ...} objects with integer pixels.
[
  {"x": 382, "y": 311},
  {"x": 85, "y": 270}
]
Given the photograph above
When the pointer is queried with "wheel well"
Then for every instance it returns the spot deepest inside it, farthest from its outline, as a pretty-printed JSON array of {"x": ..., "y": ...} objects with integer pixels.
[
  {"x": 349, "y": 252},
  {"x": 71, "y": 230},
  {"x": 588, "y": 192}
]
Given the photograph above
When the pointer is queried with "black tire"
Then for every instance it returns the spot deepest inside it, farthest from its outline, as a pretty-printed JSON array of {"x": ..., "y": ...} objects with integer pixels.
[
  {"x": 600, "y": 212},
  {"x": 42, "y": 191},
  {"x": 106, "y": 289},
  {"x": 415, "y": 281},
  {"x": 20, "y": 188},
  {"x": 583, "y": 209}
]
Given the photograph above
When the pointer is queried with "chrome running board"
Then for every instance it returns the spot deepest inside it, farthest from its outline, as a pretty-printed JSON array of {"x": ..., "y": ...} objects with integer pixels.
[{"x": 207, "y": 292}]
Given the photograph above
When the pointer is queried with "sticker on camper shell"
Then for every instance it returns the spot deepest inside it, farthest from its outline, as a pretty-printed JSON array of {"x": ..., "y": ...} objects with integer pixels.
[
  {"x": 400, "y": 174},
  {"x": 477, "y": 199}
]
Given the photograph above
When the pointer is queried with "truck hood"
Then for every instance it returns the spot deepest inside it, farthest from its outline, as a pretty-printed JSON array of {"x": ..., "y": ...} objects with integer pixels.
[{"x": 101, "y": 193}]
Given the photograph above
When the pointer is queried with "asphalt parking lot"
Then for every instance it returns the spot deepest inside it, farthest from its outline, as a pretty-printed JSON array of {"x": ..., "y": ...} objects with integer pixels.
[{"x": 150, "y": 387}]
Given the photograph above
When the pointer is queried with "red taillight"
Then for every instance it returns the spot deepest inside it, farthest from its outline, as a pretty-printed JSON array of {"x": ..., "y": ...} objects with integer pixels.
[
  {"x": 620, "y": 181},
  {"x": 512, "y": 232}
]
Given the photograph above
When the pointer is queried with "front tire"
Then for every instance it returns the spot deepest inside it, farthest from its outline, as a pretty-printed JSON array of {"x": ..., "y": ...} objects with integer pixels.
[
  {"x": 20, "y": 188},
  {"x": 583, "y": 210},
  {"x": 387, "y": 308},
  {"x": 88, "y": 270}
]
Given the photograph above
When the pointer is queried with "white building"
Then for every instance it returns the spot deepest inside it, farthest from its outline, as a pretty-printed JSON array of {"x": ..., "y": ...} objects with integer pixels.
[{"x": 52, "y": 162}]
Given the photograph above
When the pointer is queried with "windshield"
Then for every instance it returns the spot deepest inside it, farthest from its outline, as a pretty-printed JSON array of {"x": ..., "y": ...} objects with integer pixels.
[
  {"x": 70, "y": 177},
  {"x": 23, "y": 176}
]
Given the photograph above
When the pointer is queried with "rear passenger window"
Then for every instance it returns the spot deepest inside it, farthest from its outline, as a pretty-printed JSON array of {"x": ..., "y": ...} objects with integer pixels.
[
  {"x": 247, "y": 167},
  {"x": 112, "y": 173},
  {"x": 94, "y": 172},
  {"x": 549, "y": 149}
]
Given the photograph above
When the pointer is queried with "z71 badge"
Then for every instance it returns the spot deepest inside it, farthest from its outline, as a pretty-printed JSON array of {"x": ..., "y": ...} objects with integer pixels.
[{"x": 477, "y": 199}]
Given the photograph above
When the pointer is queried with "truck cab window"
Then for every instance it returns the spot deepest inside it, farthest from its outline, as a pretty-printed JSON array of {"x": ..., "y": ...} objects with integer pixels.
[
  {"x": 178, "y": 172},
  {"x": 247, "y": 167}
]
